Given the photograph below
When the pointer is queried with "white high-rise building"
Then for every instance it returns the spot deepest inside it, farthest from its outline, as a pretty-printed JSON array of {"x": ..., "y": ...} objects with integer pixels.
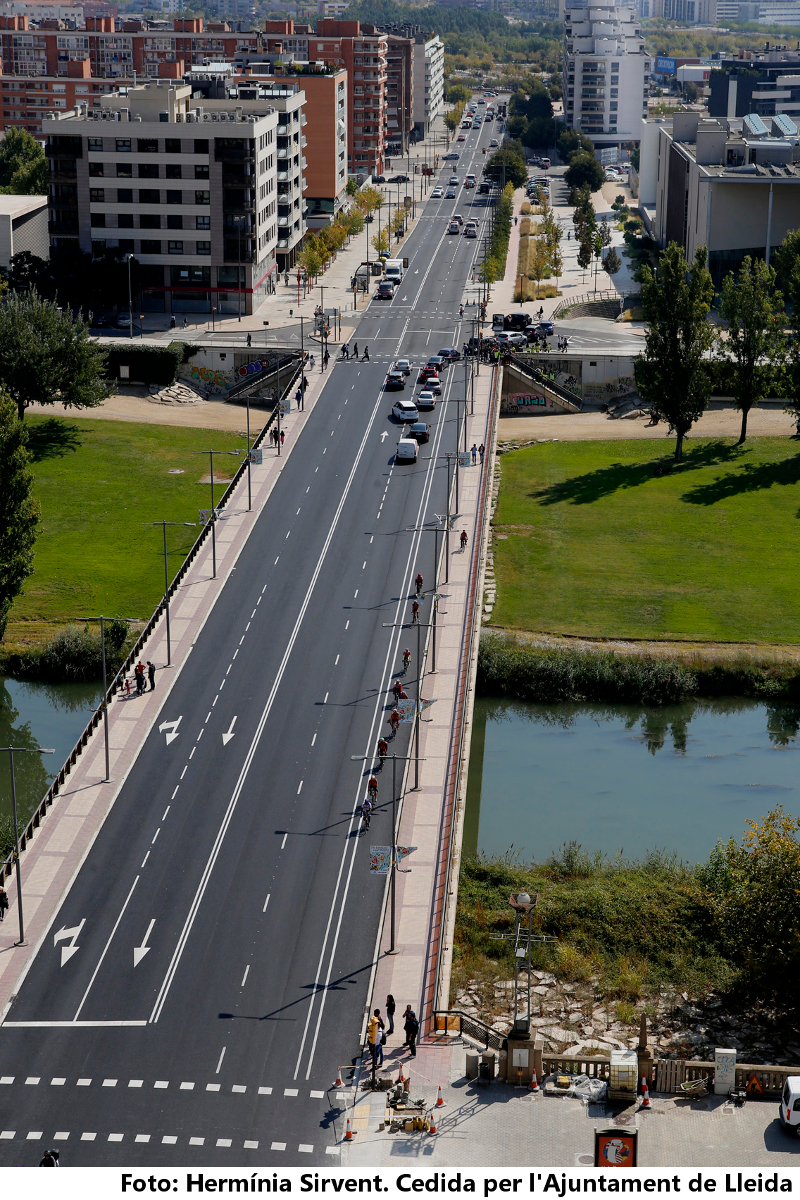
[{"x": 606, "y": 71}]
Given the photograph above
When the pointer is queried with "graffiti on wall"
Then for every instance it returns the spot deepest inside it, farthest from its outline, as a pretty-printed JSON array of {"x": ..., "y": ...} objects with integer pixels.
[
  {"x": 530, "y": 404},
  {"x": 206, "y": 377},
  {"x": 609, "y": 387}
]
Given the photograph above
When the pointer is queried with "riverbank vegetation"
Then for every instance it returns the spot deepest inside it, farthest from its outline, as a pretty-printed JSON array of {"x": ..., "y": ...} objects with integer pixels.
[
  {"x": 641, "y": 929},
  {"x": 613, "y": 540},
  {"x": 98, "y": 483}
]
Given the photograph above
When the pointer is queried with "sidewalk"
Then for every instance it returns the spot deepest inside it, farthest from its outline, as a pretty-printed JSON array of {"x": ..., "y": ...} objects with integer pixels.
[{"x": 65, "y": 836}]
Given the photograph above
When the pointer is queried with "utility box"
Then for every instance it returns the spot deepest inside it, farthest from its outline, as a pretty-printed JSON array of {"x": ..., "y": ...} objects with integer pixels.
[
  {"x": 724, "y": 1071},
  {"x": 622, "y": 1080}
]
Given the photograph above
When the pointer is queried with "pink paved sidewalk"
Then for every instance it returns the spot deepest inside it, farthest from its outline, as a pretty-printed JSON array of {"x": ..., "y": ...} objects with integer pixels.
[{"x": 54, "y": 855}]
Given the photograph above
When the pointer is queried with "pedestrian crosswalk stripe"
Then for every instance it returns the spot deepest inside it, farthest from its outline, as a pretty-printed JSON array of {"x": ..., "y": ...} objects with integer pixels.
[
  {"x": 237, "y": 1087},
  {"x": 84, "y": 1082},
  {"x": 168, "y": 1139},
  {"x": 212, "y": 1087},
  {"x": 116, "y": 1137},
  {"x": 33, "y": 1079},
  {"x": 265, "y": 1091},
  {"x": 251, "y": 1145},
  {"x": 161, "y": 1083},
  {"x": 332, "y": 1150},
  {"x": 303, "y": 1149},
  {"x": 224, "y": 1142},
  {"x": 7, "y": 1134},
  {"x": 59, "y": 1082},
  {"x": 135, "y": 1082},
  {"x": 317, "y": 1095},
  {"x": 196, "y": 1141},
  {"x": 142, "y": 1137},
  {"x": 109, "y": 1083},
  {"x": 274, "y": 1146},
  {"x": 290, "y": 1091},
  {"x": 88, "y": 1137},
  {"x": 61, "y": 1136},
  {"x": 34, "y": 1135},
  {"x": 187, "y": 1087},
  {"x": 6, "y": 1078}
]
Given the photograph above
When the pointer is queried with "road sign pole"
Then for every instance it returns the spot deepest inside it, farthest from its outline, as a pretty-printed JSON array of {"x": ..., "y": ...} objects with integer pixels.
[
  {"x": 392, "y": 862},
  {"x": 105, "y": 694},
  {"x": 249, "y": 489},
  {"x": 166, "y": 596}
]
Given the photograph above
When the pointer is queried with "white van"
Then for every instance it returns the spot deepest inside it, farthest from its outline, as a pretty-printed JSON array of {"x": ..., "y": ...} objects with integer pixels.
[
  {"x": 790, "y": 1105},
  {"x": 469, "y": 182},
  {"x": 393, "y": 269},
  {"x": 406, "y": 450}
]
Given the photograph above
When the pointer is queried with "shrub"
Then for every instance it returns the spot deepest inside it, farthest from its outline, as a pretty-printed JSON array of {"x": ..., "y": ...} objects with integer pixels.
[
  {"x": 146, "y": 364},
  {"x": 73, "y": 655}
]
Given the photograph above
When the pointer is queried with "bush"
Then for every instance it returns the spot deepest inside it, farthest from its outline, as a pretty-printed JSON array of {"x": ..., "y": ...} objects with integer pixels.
[
  {"x": 584, "y": 169},
  {"x": 147, "y": 364},
  {"x": 74, "y": 655}
]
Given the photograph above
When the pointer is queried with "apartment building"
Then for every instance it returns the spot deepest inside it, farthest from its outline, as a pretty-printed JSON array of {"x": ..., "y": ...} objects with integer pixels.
[
  {"x": 733, "y": 186},
  {"x": 365, "y": 58},
  {"x": 738, "y": 87},
  {"x": 399, "y": 92},
  {"x": 428, "y": 82},
  {"x": 206, "y": 194},
  {"x": 606, "y": 70}
]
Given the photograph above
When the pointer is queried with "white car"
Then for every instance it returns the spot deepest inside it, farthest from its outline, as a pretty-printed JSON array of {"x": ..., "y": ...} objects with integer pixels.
[
  {"x": 437, "y": 193},
  {"x": 404, "y": 410},
  {"x": 510, "y": 339},
  {"x": 407, "y": 450},
  {"x": 426, "y": 399},
  {"x": 404, "y": 365}
]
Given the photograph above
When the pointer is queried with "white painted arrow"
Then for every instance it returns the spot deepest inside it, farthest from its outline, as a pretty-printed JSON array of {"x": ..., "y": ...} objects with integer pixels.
[
  {"x": 226, "y": 737},
  {"x": 172, "y": 726},
  {"x": 384, "y": 436},
  {"x": 73, "y": 934},
  {"x": 140, "y": 951}
]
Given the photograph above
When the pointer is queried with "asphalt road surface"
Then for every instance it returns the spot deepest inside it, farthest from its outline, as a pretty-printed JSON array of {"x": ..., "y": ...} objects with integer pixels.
[{"x": 209, "y": 969}]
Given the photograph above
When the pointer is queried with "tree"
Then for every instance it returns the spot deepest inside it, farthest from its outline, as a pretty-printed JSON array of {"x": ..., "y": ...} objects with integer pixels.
[
  {"x": 353, "y": 221},
  {"x": 753, "y": 889},
  {"x": 585, "y": 255},
  {"x": 672, "y": 374},
  {"x": 584, "y": 170},
  {"x": 506, "y": 166},
  {"x": 612, "y": 262},
  {"x": 538, "y": 263},
  {"x": 380, "y": 241},
  {"x": 46, "y": 356},
  {"x": 754, "y": 344},
  {"x": 569, "y": 142},
  {"x": 452, "y": 119},
  {"x": 19, "y": 512},
  {"x": 352, "y": 186},
  {"x": 26, "y": 271},
  {"x": 310, "y": 261},
  {"x": 23, "y": 166}
]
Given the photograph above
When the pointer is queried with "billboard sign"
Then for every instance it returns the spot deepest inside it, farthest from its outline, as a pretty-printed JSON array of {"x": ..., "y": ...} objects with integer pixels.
[{"x": 665, "y": 66}]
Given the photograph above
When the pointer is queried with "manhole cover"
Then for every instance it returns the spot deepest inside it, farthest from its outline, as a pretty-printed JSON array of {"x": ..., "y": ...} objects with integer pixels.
[
  {"x": 175, "y": 471},
  {"x": 585, "y": 1160}
]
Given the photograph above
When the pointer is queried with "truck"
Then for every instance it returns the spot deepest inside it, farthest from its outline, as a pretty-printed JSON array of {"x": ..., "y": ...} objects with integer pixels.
[{"x": 393, "y": 269}]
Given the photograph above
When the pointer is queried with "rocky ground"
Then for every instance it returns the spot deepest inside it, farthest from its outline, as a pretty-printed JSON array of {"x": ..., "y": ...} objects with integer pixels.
[{"x": 571, "y": 1019}]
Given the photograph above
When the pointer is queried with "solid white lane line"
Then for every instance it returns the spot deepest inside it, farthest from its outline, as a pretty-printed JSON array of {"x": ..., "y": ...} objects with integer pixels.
[
  {"x": 266, "y": 902},
  {"x": 337, "y": 661},
  {"x": 347, "y": 625},
  {"x": 288, "y": 531},
  {"x": 356, "y": 595},
  {"x": 275, "y": 563},
  {"x": 363, "y": 564},
  {"x": 297, "y": 514},
  {"x": 108, "y": 943},
  {"x": 244, "y": 977},
  {"x": 308, "y": 489},
  {"x": 325, "y": 701},
  {"x": 219, "y": 1064}
]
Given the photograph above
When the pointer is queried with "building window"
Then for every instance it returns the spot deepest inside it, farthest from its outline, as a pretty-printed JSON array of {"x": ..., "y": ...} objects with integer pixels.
[
  {"x": 614, "y": 106},
  {"x": 201, "y": 145},
  {"x": 172, "y": 145},
  {"x": 97, "y": 195},
  {"x": 123, "y": 145},
  {"x": 174, "y": 197},
  {"x": 175, "y": 247},
  {"x": 95, "y": 168},
  {"x": 125, "y": 220},
  {"x": 124, "y": 195},
  {"x": 151, "y": 247},
  {"x": 173, "y": 170},
  {"x": 174, "y": 222},
  {"x": 149, "y": 221},
  {"x": 203, "y": 247},
  {"x": 201, "y": 171},
  {"x": 202, "y": 222},
  {"x": 147, "y": 145},
  {"x": 125, "y": 245},
  {"x": 95, "y": 143},
  {"x": 124, "y": 170},
  {"x": 149, "y": 196},
  {"x": 98, "y": 220},
  {"x": 98, "y": 248},
  {"x": 148, "y": 170},
  {"x": 202, "y": 197},
  {"x": 189, "y": 275}
]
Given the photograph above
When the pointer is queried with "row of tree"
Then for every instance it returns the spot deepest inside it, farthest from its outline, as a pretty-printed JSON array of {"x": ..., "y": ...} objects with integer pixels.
[
  {"x": 755, "y": 354},
  {"x": 593, "y": 236},
  {"x": 544, "y": 256}
]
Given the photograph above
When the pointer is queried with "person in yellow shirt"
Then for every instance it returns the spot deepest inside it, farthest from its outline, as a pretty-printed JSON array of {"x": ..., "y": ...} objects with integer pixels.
[{"x": 375, "y": 1037}]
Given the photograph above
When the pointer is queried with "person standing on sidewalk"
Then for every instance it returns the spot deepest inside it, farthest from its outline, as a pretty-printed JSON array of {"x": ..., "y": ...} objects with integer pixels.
[
  {"x": 390, "y": 1011},
  {"x": 151, "y": 675},
  {"x": 4, "y": 908},
  {"x": 474, "y": 453},
  {"x": 481, "y": 451},
  {"x": 374, "y": 1035},
  {"x": 283, "y": 436},
  {"x": 411, "y": 1027}
]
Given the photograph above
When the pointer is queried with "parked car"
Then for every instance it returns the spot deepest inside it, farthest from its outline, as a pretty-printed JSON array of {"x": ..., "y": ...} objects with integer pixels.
[
  {"x": 518, "y": 320},
  {"x": 379, "y": 179},
  {"x": 426, "y": 399},
  {"x": 437, "y": 193},
  {"x": 398, "y": 179},
  {"x": 405, "y": 410},
  {"x": 420, "y": 431},
  {"x": 123, "y": 321},
  {"x": 407, "y": 450},
  {"x": 404, "y": 365},
  {"x": 790, "y": 1105}
]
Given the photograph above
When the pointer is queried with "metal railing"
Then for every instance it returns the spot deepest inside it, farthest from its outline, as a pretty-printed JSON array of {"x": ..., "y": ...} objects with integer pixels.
[
  {"x": 588, "y": 298},
  {"x": 7, "y": 866},
  {"x": 455, "y": 1020},
  {"x": 558, "y": 389}
]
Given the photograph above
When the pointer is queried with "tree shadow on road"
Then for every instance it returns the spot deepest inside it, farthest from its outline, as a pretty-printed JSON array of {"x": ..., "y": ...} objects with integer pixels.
[
  {"x": 53, "y": 438},
  {"x": 605, "y": 481},
  {"x": 751, "y": 477}
]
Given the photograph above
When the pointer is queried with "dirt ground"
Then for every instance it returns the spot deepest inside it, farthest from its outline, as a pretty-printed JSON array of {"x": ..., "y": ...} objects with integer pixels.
[
  {"x": 595, "y": 426},
  {"x": 133, "y": 405}
]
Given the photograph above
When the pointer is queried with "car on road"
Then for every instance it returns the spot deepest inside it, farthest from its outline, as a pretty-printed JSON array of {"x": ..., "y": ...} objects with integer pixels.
[
  {"x": 404, "y": 365},
  {"x": 451, "y": 157},
  {"x": 546, "y": 327},
  {"x": 429, "y": 380},
  {"x": 426, "y": 399},
  {"x": 493, "y": 143},
  {"x": 471, "y": 231},
  {"x": 437, "y": 193},
  {"x": 123, "y": 321},
  {"x": 790, "y": 1105},
  {"x": 461, "y": 138},
  {"x": 454, "y": 227},
  {"x": 420, "y": 431},
  {"x": 450, "y": 194},
  {"x": 437, "y": 362},
  {"x": 395, "y": 381},
  {"x": 385, "y": 289},
  {"x": 454, "y": 180},
  {"x": 450, "y": 353},
  {"x": 405, "y": 410},
  {"x": 407, "y": 449},
  {"x": 511, "y": 338}
]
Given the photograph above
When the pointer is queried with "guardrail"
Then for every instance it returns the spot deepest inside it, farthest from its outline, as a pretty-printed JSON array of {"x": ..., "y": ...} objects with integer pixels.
[
  {"x": 7, "y": 866},
  {"x": 449, "y": 1021},
  {"x": 563, "y": 393},
  {"x": 588, "y": 298}
]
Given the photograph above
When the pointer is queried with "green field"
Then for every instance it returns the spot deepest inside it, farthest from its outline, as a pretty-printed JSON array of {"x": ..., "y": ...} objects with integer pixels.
[
  {"x": 590, "y": 541},
  {"x": 97, "y": 482}
]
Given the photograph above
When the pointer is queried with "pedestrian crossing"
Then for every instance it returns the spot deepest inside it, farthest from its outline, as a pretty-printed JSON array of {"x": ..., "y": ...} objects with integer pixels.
[
  {"x": 165, "y": 1139},
  {"x": 184, "y": 1085}
]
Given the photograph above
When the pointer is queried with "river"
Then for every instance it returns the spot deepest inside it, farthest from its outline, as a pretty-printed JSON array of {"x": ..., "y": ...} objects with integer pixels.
[
  {"x": 40, "y": 715},
  {"x": 623, "y": 778}
]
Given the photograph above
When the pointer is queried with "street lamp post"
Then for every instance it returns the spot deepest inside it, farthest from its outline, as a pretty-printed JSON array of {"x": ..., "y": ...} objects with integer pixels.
[
  {"x": 130, "y": 301},
  {"x": 102, "y": 620},
  {"x": 211, "y": 454},
  {"x": 418, "y": 698},
  {"x": 11, "y": 751},
  {"x": 164, "y": 525}
]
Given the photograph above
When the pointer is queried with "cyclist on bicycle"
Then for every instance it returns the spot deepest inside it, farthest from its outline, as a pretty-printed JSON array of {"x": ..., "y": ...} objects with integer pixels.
[
  {"x": 372, "y": 789},
  {"x": 415, "y": 612},
  {"x": 406, "y": 659},
  {"x": 394, "y": 721},
  {"x": 366, "y": 812},
  {"x": 397, "y": 689},
  {"x": 383, "y": 749},
  {"x": 419, "y": 581}
]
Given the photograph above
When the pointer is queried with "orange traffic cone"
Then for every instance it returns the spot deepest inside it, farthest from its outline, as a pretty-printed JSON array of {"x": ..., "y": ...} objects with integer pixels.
[
  {"x": 433, "y": 1122},
  {"x": 338, "y": 1081},
  {"x": 401, "y": 1076},
  {"x": 645, "y": 1093},
  {"x": 534, "y": 1082},
  {"x": 439, "y": 1098},
  {"x": 348, "y": 1133}
]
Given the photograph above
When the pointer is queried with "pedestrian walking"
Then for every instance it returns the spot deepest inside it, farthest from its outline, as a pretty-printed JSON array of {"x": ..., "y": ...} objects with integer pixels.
[
  {"x": 249, "y": 339},
  {"x": 463, "y": 539},
  {"x": 151, "y": 675},
  {"x": 481, "y": 451},
  {"x": 298, "y": 397},
  {"x": 185, "y": 323},
  {"x": 474, "y": 453},
  {"x": 305, "y": 384},
  {"x": 172, "y": 321},
  {"x": 411, "y": 1027},
  {"x": 355, "y": 349},
  {"x": 4, "y": 907},
  {"x": 50, "y": 1159},
  {"x": 127, "y": 687},
  {"x": 283, "y": 436},
  {"x": 390, "y": 1011},
  {"x": 375, "y": 1038}
]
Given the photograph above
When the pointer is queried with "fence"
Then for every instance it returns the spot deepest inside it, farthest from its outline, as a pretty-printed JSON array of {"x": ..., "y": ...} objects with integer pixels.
[
  {"x": 571, "y": 399},
  {"x": 35, "y": 821},
  {"x": 670, "y": 1073},
  {"x": 451, "y": 1021}
]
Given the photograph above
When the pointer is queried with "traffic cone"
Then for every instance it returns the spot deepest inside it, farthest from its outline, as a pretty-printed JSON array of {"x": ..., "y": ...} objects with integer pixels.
[
  {"x": 401, "y": 1076},
  {"x": 338, "y": 1080},
  {"x": 645, "y": 1093},
  {"x": 534, "y": 1082},
  {"x": 440, "y": 1098},
  {"x": 433, "y": 1122},
  {"x": 348, "y": 1133}
]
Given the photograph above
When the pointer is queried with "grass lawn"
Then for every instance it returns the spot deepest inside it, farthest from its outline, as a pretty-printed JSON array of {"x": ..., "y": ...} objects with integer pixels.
[
  {"x": 97, "y": 482},
  {"x": 590, "y": 541}
]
